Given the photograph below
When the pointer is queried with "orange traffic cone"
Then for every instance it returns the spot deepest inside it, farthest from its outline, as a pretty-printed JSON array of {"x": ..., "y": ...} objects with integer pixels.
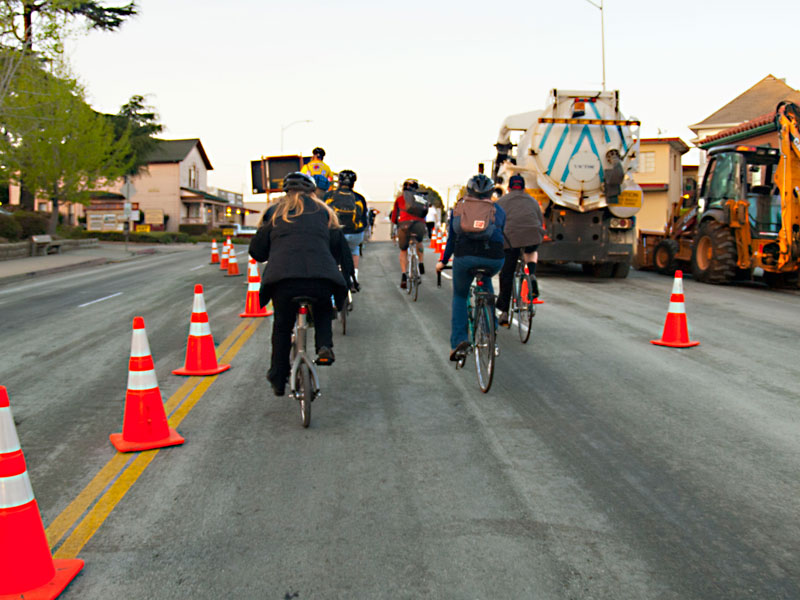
[
  {"x": 144, "y": 422},
  {"x": 201, "y": 356},
  {"x": 252, "y": 305},
  {"x": 214, "y": 252},
  {"x": 434, "y": 233},
  {"x": 233, "y": 264},
  {"x": 223, "y": 263},
  {"x": 676, "y": 327},
  {"x": 27, "y": 569}
]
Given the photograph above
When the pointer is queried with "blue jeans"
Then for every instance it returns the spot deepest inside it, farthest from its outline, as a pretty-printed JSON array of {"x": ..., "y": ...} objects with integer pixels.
[
  {"x": 461, "y": 284},
  {"x": 354, "y": 239}
]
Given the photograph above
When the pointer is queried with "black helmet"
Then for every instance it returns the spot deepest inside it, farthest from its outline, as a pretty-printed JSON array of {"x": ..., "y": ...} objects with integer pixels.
[
  {"x": 299, "y": 181},
  {"x": 318, "y": 152},
  {"x": 480, "y": 185},
  {"x": 516, "y": 182},
  {"x": 411, "y": 184},
  {"x": 347, "y": 177}
]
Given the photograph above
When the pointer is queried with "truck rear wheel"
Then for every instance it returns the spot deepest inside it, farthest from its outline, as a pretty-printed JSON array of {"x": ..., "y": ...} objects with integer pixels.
[
  {"x": 599, "y": 270},
  {"x": 621, "y": 269},
  {"x": 714, "y": 254},
  {"x": 664, "y": 257}
]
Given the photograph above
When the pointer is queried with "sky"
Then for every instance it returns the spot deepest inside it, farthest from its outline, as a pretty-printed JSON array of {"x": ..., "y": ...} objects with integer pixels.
[{"x": 419, "y": 88}]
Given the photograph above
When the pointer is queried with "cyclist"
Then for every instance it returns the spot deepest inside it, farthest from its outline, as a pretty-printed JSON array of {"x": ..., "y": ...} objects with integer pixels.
[
  {"x": 319, "y": 171},
  {"x": 469, "y": 252},
  {"x": 301, "y": 240},
  {"x": 351, "y": 209},
  {"x": 523, "y": 234},
  {"x": 408, "y": 224}
]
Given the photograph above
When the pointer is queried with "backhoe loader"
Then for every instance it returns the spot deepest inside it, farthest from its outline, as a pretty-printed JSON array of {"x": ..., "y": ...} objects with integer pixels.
[{"x": 747, "y": 215}]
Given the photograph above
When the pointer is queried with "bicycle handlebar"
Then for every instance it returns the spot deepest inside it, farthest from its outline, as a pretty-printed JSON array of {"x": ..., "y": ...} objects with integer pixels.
[{"x": 439, "y": 275}]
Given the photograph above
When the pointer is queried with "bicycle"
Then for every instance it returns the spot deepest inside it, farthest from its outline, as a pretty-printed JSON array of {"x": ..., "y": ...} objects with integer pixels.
[
  {"x": 523, "y": 301},
  {"x": 481, "y": 326},
  {"x": 303, "y": 380},
  {"x": 347, "y": 307},
  {"x": 413, "y": 276}
]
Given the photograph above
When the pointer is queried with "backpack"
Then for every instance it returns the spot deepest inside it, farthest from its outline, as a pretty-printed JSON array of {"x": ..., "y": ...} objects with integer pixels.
[
  {"x": 473, "y": 218},
  {"x": 416, "y": 203},
  {"x": 349, "y": 211}
]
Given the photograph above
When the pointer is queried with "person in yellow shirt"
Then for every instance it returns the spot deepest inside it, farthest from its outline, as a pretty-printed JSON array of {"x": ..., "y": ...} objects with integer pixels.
[{"x": 319, "y": 171}]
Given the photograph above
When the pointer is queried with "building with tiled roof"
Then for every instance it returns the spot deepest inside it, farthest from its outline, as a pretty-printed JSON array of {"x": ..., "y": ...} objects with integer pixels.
[{"x": 760, "y": 100}]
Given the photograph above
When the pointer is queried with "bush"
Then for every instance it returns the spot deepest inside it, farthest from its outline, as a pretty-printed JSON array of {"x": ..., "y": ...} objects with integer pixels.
[
  {"x": 193, "y": 228},
  {"x": 10, "y": 228},
  {"x": 32, "y": 223}
]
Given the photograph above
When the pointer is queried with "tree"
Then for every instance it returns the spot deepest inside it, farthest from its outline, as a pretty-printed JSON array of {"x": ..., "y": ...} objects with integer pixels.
[
  {"x": 139, "y": 122},
  {"x": 65, "y": 149},
  {"x": 433, "y": 196},
  {"x": 38, "y": 28}
]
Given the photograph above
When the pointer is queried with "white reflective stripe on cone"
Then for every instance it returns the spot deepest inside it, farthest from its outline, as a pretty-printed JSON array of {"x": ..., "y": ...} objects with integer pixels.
[
  {"x": 199, "y": 329},
  {"x": 677, "y": 285},
  {"x": 199, "y": 305},
  {"x": 15, "y": 490},
  {"x": 142, "y": 380},
  {"x": 253, "y": 287},
  {"x": 9, "y": 442},
  {"x": 676, "y": 308},
  {"x": 139, "y": 345}
]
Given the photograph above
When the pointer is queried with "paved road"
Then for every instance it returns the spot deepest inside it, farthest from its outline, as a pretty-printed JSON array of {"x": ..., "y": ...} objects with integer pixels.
[{"x": 599, "y": 466}]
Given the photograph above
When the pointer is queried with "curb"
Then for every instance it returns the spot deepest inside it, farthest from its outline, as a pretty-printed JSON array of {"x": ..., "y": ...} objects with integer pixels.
[{"x": 88, "y": 263}]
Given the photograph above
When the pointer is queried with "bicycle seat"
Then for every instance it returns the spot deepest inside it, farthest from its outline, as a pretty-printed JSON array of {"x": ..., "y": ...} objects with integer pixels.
[
  {"x": 476, "y": 271},
  {"x": 304, "y": 299}
]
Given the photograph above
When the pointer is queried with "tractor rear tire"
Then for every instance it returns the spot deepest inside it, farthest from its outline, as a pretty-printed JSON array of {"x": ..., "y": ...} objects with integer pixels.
[
  {"x": 621, "y": 269},
  {"x": 664, "y": 257},
  {"x": 714, "y": 254}
]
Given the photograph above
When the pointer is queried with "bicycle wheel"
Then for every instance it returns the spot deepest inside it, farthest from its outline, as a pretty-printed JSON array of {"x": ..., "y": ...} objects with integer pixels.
[
  {"x": 304, "y": 393},
  {"x": 525, "y": 307},
  {"x": 484, "y": 347},
  {"x": 417, "y": 280}
]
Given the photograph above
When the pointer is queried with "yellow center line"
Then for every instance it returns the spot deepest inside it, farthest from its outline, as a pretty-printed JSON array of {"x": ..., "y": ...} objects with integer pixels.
[
  {"x": 100, "y": 511},
  {"x": 64, "y": 521}
]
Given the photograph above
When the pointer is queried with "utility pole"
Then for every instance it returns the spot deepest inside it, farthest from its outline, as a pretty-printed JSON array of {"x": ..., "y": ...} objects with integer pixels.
[{"x": 602, "y": 37}]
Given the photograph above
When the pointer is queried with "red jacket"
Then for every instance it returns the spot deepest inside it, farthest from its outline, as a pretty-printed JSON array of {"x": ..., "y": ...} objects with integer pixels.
[{"x": 399, "y": 213}]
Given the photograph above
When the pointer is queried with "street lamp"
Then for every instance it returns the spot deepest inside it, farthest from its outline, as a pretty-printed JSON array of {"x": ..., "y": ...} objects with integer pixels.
[
  {"x": 602, "y": 37},
  {"x": 285, "y": 127}
]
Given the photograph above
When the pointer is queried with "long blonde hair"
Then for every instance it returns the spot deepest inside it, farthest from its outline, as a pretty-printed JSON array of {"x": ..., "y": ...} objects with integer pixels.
[{"x": 292, "y": 202}]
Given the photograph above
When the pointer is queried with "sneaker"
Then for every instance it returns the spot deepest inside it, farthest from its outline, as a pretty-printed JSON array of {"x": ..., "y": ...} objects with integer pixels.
[
  {"x": 503, "y": 320},
  {"x": 422, "y": 268},
  {"x": 325, "y": 356},
  {"x": 534, "y": 287},
  {"x": 403, "y": 281},
  {"x": 459, "y": 351}
]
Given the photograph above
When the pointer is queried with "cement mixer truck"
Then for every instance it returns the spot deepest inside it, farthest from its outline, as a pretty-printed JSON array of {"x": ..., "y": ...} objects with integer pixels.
[{"x": 577, "y": 157}]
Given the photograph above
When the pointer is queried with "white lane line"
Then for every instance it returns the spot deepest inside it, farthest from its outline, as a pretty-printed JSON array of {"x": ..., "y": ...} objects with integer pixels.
[
  {"x": 100, "y": 299},
  {"x": 446, "y": 275},
  {"x": 198, "y": 267}
]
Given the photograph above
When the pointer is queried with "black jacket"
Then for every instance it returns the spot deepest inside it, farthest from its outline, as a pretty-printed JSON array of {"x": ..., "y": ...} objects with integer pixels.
[{"x": 304, "y": 248}]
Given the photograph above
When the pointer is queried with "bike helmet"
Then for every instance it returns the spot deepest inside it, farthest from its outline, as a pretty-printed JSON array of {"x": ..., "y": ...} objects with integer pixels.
[
  {"x": 347, "y": 177},
  {"x": 318, "y": 152},
  {"x": 516, "y": 182},
  {"x": 480, "y": 186},
  {"x": 298, "y": 181},
  {"x": 411, "y": 184}
]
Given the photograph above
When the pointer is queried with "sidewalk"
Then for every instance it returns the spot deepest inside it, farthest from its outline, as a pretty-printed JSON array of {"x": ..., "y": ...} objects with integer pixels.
[{"x": 105, "y": 252}]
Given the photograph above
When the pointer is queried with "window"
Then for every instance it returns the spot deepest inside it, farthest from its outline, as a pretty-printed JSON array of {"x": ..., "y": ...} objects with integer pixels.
[
  {"x": 193, "y": 177},
  {"x": 724, "y": 182},
  {"x": 647, "y": 164}
]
